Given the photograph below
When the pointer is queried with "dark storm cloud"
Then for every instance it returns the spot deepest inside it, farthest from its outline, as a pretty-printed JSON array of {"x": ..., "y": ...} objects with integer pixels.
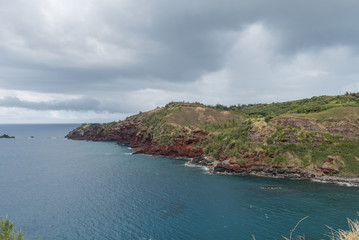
[
  {"x": 102, "y": 47},
  {"x": 180, "y": 39}
]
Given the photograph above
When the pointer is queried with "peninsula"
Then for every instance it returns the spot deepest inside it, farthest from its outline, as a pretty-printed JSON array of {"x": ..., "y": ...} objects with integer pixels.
[{"x": 316, "y": 138}]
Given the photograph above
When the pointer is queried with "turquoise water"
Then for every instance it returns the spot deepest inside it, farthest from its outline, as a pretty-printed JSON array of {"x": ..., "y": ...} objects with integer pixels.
[{"x": 64, "y": 189}]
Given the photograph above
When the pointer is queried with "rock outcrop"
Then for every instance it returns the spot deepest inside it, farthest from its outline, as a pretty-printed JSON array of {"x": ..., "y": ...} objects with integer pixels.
[
  {"x": 297, "y": 122},
  {"x": 95, "y": 132},
  {"x": 340, "y": 127},
  {"x": 134, "y": 134},
  {"x": 6, "y": 136},
  {"x": 267, "y": 170}
]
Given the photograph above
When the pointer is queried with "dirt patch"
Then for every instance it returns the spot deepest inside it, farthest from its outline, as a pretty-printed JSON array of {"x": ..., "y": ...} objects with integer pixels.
[
  {"x": 260, "y": 131},
  {"x": 195, "y": 116},
  {"x": 337, "y": 127}
]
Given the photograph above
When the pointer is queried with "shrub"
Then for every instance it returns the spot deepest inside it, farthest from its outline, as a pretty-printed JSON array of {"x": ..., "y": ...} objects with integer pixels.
[
  {"x": 7, "y": 231},
  {"x": 268, "y": 118},
  {"x": 270, "y": 141}
]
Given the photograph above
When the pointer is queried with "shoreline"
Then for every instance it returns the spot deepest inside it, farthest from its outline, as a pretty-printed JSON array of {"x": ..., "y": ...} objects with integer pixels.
[
  {"x": 342, "y": 181},
  {"x": 212, "y": 168}
]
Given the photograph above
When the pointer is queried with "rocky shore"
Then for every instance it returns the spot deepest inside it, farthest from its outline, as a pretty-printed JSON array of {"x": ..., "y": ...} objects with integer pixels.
[
  {"x": 344, "y": 181},
  {"x": 184, "y": 147},
  {"x": 216, "y": 167}
]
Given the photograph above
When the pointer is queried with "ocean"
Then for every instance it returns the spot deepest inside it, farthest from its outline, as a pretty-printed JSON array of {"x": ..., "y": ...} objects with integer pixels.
[{"x": 56, "y": 188}]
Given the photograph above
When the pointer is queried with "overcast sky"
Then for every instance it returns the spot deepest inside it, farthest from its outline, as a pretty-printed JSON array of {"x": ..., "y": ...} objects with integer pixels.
[{"x": 102, "y": 60}]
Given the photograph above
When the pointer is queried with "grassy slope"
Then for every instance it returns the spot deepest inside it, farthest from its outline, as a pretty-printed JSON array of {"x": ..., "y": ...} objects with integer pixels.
[
  {"x": 166, "y": 124},
  {"x": 309, "y": 105},
  {"x": 230, "y": 139},
  {"x": 232, "y": 136}
]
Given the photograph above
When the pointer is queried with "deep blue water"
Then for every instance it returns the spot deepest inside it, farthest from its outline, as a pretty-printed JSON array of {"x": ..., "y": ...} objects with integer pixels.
[{"x": 64, "y": 189}]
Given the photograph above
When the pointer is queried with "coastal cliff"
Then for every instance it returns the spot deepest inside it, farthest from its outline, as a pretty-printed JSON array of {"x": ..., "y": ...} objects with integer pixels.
[
  {"x": 163, "y": 131},
  {"x": 306, "y": 139}
]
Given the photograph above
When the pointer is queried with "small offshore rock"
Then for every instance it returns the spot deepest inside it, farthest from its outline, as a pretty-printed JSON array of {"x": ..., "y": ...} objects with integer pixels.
[
  {"x": 6, "y": 136},
  {"x": 270, "y": 187}
]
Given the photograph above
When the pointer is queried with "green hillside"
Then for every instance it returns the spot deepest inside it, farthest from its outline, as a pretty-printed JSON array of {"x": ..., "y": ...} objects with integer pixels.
[{"x": 306, "y": 106}]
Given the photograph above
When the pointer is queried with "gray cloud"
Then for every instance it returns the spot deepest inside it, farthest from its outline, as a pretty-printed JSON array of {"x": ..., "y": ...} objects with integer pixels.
[
  {"x": 83, "y": 104},
  {"x": 125, "y": 56}
]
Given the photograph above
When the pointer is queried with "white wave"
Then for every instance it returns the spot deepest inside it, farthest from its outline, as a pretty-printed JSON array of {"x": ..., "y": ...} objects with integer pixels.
[
  {"x": 345, "y": 184},
  {"x": 188, "y": 164},
  {"x": 181, "y": 158},
  {"x": 320, "y": 181},
  {"x": 204, "y": 168}
]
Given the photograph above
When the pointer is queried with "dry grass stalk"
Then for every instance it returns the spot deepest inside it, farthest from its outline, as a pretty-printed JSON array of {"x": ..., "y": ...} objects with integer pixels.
[
  {"x": 292, "y": 231},
  {"x": 351, "y": 234}
]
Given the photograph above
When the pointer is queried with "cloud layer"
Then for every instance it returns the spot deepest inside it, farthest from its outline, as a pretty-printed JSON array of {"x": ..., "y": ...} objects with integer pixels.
[{"x": 112, "y": 58}]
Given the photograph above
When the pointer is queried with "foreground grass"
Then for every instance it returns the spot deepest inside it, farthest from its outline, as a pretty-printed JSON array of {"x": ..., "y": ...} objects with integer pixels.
[{"x": 351, "y": 234}]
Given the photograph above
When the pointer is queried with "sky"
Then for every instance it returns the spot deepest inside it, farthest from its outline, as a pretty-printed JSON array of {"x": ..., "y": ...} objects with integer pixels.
[{"x": 66, "y": 61}]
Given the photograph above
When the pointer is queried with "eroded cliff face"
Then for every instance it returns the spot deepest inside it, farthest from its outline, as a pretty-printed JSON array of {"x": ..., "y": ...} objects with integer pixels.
[
  {"x": 258, "y": 163},
  {"x": 131, "y": 132},
  {"x": 336, "y": 127},
  {"x": 172, "y": 131},
  {"x": 94, "y": 132},
  {"x": 185, "y": 145}
]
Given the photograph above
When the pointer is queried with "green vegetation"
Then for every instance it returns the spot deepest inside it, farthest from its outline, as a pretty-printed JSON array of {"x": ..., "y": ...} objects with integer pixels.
[
  {"x": 159, "y": 116},
  {"x": 231, "y": 137},
  {"x": 349, "y": 114},
  {"x": 179, "y": 119},
  {"x": 110, "y": 125},
  {"x": 309, "y": 105},
  {"x": 7, "y": 231}
]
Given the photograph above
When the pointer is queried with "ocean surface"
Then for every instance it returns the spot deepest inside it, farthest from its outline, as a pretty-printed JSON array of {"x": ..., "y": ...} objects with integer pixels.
[{"x": 56, "y": 188}]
